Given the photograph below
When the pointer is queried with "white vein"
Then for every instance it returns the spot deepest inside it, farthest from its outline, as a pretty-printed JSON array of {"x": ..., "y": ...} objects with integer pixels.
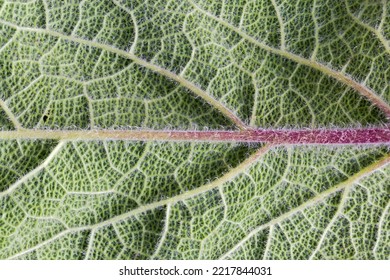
[
  {"x": 312, "y": 202},
  {"x": 164, "y": 233},
  {"x": 35, "y": 171},
  {"x": 381, "y": 229},
  {"x": 331, "y": 223}
]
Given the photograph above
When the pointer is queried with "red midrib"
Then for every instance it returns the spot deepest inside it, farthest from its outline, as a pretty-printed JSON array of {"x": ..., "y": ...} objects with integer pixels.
[
  {"x": 304, "y": 136},
  {"x": 274, "y": 136}
]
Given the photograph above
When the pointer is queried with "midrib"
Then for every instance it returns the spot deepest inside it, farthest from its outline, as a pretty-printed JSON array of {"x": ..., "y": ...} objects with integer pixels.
[{"x": 380, "y": 135}]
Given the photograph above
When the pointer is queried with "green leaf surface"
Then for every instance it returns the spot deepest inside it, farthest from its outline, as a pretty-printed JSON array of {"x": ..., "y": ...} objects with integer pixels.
[{"x": 94, "y": 95}]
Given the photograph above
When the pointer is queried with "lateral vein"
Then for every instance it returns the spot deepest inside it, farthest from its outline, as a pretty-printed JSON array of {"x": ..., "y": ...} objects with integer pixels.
[
  {"x": 315, "y": 200},
  {"x": 35, "y": 171},
  {"x": 363, "y": 90},
  {"x": 155, "y": 68},
  {"x": 10, "y": 115},
  {"x": 170, "y": 201}
]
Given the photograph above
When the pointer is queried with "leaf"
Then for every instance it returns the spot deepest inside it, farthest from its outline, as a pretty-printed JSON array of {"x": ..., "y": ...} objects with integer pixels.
[{"x": 194, "y": 129}]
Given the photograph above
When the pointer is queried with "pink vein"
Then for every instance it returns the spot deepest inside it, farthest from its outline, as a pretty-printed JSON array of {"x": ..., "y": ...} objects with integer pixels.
[
  {"x": 273, "y": 136},
  {"x": 362, "y": 89}
]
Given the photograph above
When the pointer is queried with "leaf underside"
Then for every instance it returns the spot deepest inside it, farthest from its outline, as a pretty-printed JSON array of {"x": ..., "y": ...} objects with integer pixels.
[{"x": 114, "y": 66}]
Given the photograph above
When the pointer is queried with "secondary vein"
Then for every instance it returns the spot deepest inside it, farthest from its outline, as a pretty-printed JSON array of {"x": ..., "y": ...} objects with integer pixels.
[
  {"x": 155, "y": 68},
  {"x": 10, "y": 115},
  {"x": 202, "y": 189},
  {"x": 35, "y": 171},
  {"x": 317, "y": 199},
  {"x": 363, "y": 90}
]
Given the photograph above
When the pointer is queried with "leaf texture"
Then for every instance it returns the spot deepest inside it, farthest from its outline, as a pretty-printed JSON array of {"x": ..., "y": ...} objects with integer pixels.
[{"x": 116, "y": 69}]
